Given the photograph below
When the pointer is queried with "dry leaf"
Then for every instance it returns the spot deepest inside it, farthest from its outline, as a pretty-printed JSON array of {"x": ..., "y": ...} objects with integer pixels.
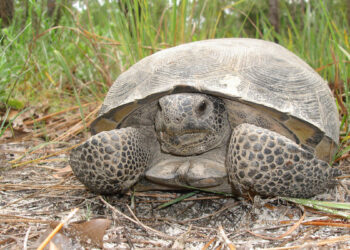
[
  {"x": 77, "y": 234},
  {"x": 94, "y": 229},
  {"x": 87, "y": 232}
]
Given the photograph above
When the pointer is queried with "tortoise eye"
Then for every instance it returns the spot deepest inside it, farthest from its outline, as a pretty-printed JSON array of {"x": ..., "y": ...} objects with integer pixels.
[{"x": 201, "y": 107}]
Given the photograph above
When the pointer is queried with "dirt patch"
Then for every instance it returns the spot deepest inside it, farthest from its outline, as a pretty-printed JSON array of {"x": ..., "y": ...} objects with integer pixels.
[{"x": 37, "y": 193}]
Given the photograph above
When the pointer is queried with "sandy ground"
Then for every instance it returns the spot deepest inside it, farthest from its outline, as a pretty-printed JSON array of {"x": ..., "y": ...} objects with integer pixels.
[{"x": 37, "y": 193}]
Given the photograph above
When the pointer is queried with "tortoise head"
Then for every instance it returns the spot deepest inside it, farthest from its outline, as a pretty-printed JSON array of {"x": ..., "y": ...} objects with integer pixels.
[{"x": 191, "y": 123}]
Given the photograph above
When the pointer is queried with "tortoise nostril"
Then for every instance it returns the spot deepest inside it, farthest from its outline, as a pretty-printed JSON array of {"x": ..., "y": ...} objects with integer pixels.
[{"x": 201, "y": 108}]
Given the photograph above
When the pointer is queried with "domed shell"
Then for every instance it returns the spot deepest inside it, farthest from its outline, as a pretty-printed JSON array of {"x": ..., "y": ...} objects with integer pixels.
[{"x": 258, "y": 73}]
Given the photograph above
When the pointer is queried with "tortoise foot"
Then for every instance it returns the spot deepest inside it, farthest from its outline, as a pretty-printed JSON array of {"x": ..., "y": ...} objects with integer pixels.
[
  {"x": 111, "y": 161},
  {"x": 266, "y": 163}
]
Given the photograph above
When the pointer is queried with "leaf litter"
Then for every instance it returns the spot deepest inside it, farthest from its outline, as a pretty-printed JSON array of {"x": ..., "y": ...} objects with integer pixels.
[{"x": 38, "y": 190}]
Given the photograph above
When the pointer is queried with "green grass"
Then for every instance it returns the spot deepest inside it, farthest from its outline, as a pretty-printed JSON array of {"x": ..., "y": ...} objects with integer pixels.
[
  {"x": 335, "y": 208},
  {"x": 78, "y": 60}
]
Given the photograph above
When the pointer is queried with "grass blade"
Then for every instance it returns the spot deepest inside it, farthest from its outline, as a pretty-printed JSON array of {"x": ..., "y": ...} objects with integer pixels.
[
  {"x": 181, "y": 198},
  {"x": 324, "y": 206}
]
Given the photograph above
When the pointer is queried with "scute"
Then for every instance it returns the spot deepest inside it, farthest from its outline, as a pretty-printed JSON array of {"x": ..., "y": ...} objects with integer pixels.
[{"x": 250, "y": 71}]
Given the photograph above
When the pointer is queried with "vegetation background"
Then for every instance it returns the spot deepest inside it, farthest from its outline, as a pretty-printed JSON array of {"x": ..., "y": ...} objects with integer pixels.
[{"x": 62, "y": 53}]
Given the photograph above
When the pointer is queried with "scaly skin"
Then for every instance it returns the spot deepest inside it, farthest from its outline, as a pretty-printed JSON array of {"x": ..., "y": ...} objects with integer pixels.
[
  {"x": 266, "y": 163},
  {"x": 112, "y": 161}
]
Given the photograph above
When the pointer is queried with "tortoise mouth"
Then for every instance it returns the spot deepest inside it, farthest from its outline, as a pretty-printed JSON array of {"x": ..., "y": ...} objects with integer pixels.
[
  {"x": 180, "y": 132},
  {"x": 184, "y": 138},
  {"x": 185, "y": 143}
]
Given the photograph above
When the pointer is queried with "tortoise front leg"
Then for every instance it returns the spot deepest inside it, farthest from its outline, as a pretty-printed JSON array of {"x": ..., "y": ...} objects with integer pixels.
[
  {"x": 112, "y": 161},
  {"x": 267, "y": 163}
]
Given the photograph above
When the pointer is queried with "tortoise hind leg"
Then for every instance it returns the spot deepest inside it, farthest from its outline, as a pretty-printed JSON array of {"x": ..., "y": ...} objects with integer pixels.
[
  {"x": 267, "y": 163},
  {"x": 112, "y": 161}
]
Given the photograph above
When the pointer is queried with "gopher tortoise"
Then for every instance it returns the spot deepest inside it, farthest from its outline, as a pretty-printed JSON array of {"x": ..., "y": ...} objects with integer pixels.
[{"x": 238, "y": 115}]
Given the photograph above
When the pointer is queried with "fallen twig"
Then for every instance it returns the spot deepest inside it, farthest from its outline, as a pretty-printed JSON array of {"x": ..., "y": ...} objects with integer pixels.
[
  {"x": 205, "y": 247},
  {"x": 136, "y": 221},
  {"x": 226, "y": 240},
  {"x": 314, "y": 244},
  {"x": 295, "y": 226}
]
